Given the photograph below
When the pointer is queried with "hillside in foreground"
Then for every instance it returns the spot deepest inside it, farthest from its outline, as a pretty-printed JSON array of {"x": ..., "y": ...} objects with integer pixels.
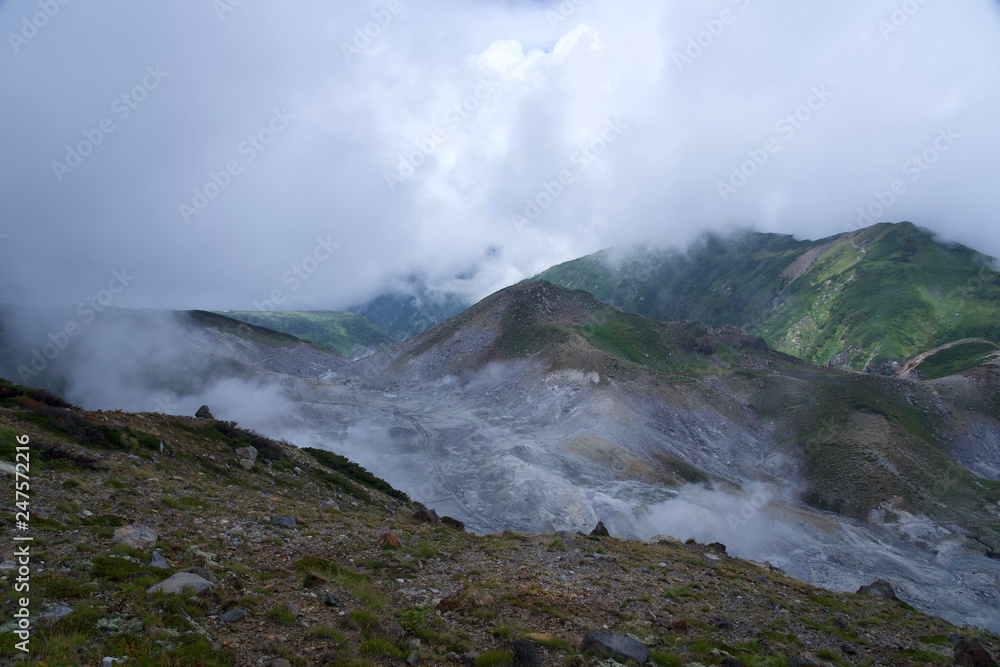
[
  {"x": 861, "y": 300},
  {"x": 289, "y": 548}
]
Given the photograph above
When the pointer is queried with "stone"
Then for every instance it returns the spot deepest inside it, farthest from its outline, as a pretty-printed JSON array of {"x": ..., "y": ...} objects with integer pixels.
[
  {"x": 664, "y": 539},
  {"x": 878, "y": 589},
  {"x": 426, "y": 515},
  {"x": 847, "y": 649},
  {"x": 332, "y": 504},
  {"x": 233, "y": 615},
  {"x": 137, "y": 536},
  {"x": 718, "y": 547},
  {"x": 617, "y": 647},
  {"x": 111, "y": 662},
  {"x": 279, "y": 662},
  {"x": 467, "y": 599},
  {"x": 331, "y": 600},
  {"x": 54, "y": 614},
  {"x": 389, "y": 541},
  {"x": 525, "y": 654},
  {"x": 413, "y": 659},
  {"x": 600, "y": 530},
  {"x": 451, "y": 656},
  {"x": 159, "y": 561},
  {"x": 970, "y": 652},
  {"x": 8, "y": 565},
  {"x": 247, "y": 453},
  {"x": 203, "y": 573},
  {"x": 246, "y": 464},
  {"x": 204, "y": 413},
  {"x": 454, "y": 523},
  {"x": 731, "y": 662},
  {"x": 286, "y": 521},
  {"x": 722, "y": 623},
  {"x": 292, "y": 608},
  {"x": 177, "y": 584}
]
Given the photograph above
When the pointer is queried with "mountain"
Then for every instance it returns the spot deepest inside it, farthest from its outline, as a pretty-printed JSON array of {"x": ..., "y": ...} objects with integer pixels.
[
  {"x": 542, "y": 409},
  {"x": 287, "y": 555},
  {"x": 346, "y": 333},
  {"x": 861, "y": 300},
  {"x": 405, "y": 315}
]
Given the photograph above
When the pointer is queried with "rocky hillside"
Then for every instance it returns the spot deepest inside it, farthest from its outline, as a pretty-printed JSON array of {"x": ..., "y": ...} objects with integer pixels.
[
  {"x": 299, "y": 557},
  {"x": 861, "y": 300}
]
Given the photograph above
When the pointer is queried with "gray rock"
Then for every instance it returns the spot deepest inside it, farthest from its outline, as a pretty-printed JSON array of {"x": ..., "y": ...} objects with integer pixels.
[
  {"x": 286, "y": 521},
  {"x": 525, "y": 654},
  {"x": 204, "y": 413},
  {"x": 331, "y": 600},
  {"x": 246, "y": 464},
  {"x": 332, "y": 504},
  {"x": 177, "y": 584},
  {"x": 54, "y": 614},
  {"x": 878, "y": 589},
  {"x": 247, "y": 453},
  {"x": 203, "y": 573},
  {"x": 292, "y": 608},
  {"x": 233, "y": 615},
  {"x": 279, "y": 662},
  {"x": 111, "y": 662},
  {"x": 8, "y": 565},
  {"x": 413, "y": 659},
  {"x": 137, "y": 536},
  {"x": 159, "y": 561},
  {"x": 618, "y": 647},
  {"x": 451, "y": 656}
]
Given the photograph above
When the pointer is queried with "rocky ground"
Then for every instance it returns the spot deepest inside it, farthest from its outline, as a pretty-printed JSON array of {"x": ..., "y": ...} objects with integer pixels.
[{"x": 295, "y": 568}]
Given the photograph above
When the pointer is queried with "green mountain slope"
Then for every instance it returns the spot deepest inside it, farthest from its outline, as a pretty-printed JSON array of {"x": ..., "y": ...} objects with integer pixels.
[
  {"x": 346, "y": 333},
  {"x": 858, "y": 300}
]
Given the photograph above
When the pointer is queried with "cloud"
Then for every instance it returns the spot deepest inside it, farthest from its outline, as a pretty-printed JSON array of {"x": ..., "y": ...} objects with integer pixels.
[{"x": 495, "y": 100}]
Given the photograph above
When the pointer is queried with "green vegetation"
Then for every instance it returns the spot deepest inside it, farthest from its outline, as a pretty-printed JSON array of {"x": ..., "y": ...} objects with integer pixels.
[
  {"x": 861, "y": 299},
  {"x": 351, "y": 470},
  {"x": 954, "y": 359},
  {"x": 345, "y": 333}
]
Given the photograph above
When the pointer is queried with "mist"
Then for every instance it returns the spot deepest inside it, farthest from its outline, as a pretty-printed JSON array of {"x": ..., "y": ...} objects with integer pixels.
[{"x": 467, "y": 145}]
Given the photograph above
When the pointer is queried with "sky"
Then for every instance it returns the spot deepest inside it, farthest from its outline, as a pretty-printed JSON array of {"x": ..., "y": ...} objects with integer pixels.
[{"x": 225, "y": 154}]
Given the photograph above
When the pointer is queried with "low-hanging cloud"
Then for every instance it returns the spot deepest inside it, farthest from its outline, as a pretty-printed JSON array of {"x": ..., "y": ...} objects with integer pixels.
[{"x": 479, "y": 108}]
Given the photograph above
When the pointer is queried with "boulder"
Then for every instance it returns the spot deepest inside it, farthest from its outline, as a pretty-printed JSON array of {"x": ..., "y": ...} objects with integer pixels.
[
  {"x": 718, "y": 547},
  {"x": 233, "y": 615},
  {"x": 247, "y": 453},
  {"x": 285, "y": 521},
  {"x": 600, "y": 530},
  {"x": 204, "y": 413},
  {"x": 427, "y": 515},
  {"x": 467, "y": 599},
  {"x": 879, "y": 588},
  {"x": 246, "y": 464},
  {"x": 525, "y": 654},
  {"x": 970, "y": 652},
  {"x": 331, "y": 600},
  {"x": 137, "y": 536},
  {"x": 159, "y": 561},
  {"x": 617, "y": 647},
  {"x": 178, "y": 583},
  {"x": 389, "y": 541}
]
